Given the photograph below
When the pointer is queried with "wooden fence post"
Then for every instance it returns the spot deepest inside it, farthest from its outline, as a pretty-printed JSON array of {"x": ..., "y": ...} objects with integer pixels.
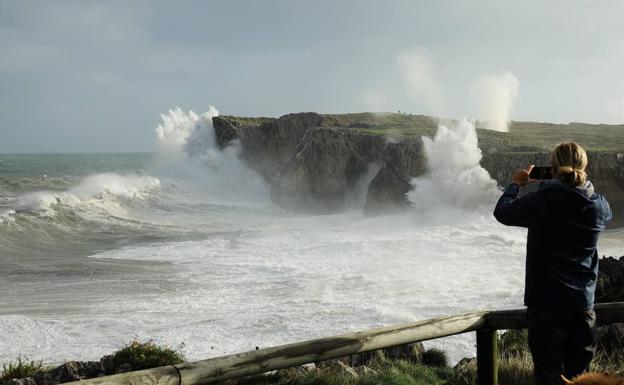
[
  {"x": 487, "y": 357},
  {"x": 485, "y": 323}
]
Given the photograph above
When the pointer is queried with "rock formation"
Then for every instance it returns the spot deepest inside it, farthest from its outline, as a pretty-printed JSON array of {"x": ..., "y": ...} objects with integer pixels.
[{"x": 314, "y": 162}]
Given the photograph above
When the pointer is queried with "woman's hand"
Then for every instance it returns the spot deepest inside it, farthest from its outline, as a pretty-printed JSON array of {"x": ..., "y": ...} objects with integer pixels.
[{"x": 521, "y": 177}]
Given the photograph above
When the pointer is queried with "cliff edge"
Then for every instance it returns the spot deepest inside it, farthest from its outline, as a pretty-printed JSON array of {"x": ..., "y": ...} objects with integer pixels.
[{"x": 324, "y": 163}]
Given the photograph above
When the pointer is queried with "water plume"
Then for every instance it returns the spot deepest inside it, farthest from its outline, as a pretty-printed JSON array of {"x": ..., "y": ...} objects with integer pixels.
[
  {"x": 177, "y": 127},
  {"x": 454, "y": 177},
  {"x": 495, "y": 95},
  {"x": 424, "y": 87}
]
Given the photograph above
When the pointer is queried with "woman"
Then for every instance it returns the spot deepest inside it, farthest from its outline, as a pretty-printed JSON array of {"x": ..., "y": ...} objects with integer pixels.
[{"x": 564, "y": 217}]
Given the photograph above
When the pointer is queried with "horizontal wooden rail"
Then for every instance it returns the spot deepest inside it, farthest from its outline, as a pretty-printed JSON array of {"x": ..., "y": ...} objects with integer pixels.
[{"x": 268, "y": 359}]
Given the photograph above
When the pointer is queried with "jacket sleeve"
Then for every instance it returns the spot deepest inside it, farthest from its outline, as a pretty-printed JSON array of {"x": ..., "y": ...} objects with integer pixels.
[
  {"x": 513, "y": 211},
  {"x": 607, "y": 214}
]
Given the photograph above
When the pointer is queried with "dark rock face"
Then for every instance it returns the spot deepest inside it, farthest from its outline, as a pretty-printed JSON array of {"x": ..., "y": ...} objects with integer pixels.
[
  {"x": 309, "y": 168},
  {"x": 20, "y": 381},
  {"x": 388, "y": 190},
  {"x": 225, "y": 130},
  {"x": 314, "y": 168},
  {"x": 610, "y": 285},
  {"x": 325, "y": 168},
  {"x": 70, "y": 371}
]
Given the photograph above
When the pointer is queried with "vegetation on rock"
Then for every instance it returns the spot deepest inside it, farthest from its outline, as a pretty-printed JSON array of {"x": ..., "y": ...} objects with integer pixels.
[
  {"x": 21, "y": 368},
  {"x": 138, "y": 356}
]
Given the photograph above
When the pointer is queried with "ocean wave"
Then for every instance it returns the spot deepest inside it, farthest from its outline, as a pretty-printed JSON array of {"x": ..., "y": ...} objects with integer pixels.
[
  {"x": 6, "y": 215},
  {"x": 92, "y": 190}
]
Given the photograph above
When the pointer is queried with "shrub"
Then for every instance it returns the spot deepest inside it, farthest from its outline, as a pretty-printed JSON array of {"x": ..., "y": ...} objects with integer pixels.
[
  {"x": 513, "y": 342},
  {"x": 138, "y": 356},
  {"x": 20, "y": 369},
  {"x": 435, "y": 357}
]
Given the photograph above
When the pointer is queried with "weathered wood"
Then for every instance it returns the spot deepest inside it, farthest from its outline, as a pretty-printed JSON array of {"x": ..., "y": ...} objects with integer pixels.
[
  {"x": 609, "y": 313},
  {"x": 606, "y": 313},
  {"x": 487, "y": 357},
  {"x": 264, "y": 360},
  {"x": 164, "y": 375},
  {"x": 507, "y": 319}
]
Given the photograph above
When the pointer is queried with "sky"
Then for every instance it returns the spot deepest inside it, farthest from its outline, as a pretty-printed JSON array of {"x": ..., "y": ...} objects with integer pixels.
[{"x": 94, "y": 76}]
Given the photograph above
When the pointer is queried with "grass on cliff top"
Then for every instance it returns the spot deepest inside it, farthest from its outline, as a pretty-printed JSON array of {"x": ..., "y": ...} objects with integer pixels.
[
  {"x": 247, "y": 121},
  {"x": 523, "y": 136}
]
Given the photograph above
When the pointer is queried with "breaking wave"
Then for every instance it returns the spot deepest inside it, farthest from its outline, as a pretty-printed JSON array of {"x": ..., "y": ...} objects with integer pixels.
[
  {"x": 455, "y": 180},
  {"x": 94, "y": 190}
]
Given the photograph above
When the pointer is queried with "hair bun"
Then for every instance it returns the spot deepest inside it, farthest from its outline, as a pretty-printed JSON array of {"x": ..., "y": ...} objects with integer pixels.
[{"x": 580, "y": 177}]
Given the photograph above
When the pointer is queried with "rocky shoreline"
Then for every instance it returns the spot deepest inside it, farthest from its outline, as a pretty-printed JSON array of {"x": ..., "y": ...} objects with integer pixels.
[
  {"x": 610, "y": 288},
  {"x": 314, "y": 162}
]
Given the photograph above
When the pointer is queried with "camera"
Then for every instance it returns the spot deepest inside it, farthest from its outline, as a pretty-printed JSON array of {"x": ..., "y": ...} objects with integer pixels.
[{"x": 541, "y": 172}]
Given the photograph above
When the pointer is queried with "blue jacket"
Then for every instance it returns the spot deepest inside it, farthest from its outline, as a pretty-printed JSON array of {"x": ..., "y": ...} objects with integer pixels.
[{"x": 564, "y": 223}]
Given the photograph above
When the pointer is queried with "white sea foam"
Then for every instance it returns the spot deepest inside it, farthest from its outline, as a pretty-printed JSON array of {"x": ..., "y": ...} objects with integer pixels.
[
  {"x": 97, "y": 190},
  {"x": 189, "y": 155},
  {"x": 241, "y": 277},
  {"x": 6, "y": 215},
  {"x": 273, "y": 280},
  {"x": 177, "y": 127}
]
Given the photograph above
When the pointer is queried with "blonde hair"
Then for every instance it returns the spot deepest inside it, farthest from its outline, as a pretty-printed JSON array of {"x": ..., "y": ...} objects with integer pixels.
[{"x": 569, "y": 161}]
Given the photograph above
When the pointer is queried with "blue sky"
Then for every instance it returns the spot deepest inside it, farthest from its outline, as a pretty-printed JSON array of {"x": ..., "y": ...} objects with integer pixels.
[{"x": 81, "y": 76}]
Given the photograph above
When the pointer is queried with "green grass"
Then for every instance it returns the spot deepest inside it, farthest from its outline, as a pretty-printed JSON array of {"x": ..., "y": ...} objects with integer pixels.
[
  {"x": 515, "y": 367},
  {"x": 246, "y": 121},
  {"x": 142, "y": 355},
  {"x": 516, "y": 363},
  {"x": 523, "y": 136},
  {"x": 20, "y": 368},
  {"x": 391, "y": 372}
]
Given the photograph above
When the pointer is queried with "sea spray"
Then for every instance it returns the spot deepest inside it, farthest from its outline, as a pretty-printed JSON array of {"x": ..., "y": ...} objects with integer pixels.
[
  {"x": 495, "y": 95},
  {"x": 454, "y": 179},
  {"x": 418, "y": 69},
  {"x": 190, "y": 157},
  {"x": 92, "y": 188},
  {"x": 177, "y": 127}
]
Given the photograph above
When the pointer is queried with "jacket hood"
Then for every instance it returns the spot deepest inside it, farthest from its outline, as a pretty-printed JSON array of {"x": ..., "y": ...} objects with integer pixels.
[
  {"x": 586, "y": 189},
  {"x": 556, "y": 189},
  {"x": 580, "y": 205}
]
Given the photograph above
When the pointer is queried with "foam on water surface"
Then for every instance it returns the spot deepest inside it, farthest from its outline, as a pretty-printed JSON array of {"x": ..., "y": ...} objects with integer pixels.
[
  {"x": 292, "y": 279},
  {"x": 195, "y": 256}
]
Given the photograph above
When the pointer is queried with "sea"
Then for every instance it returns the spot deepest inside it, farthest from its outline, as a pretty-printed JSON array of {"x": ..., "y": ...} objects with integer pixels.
[{"x": 185, "y": 248}]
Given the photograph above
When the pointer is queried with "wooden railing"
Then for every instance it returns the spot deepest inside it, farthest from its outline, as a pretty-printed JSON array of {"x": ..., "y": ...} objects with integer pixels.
[{"x": 484, "y": 323}]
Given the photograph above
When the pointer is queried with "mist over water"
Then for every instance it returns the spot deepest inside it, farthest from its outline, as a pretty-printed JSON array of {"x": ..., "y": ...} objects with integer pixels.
[{"x": 185, "y": 248}]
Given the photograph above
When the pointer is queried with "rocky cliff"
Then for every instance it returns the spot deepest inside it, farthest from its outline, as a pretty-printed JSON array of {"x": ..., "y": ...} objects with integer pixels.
[{"x": 316, "y": 163}]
